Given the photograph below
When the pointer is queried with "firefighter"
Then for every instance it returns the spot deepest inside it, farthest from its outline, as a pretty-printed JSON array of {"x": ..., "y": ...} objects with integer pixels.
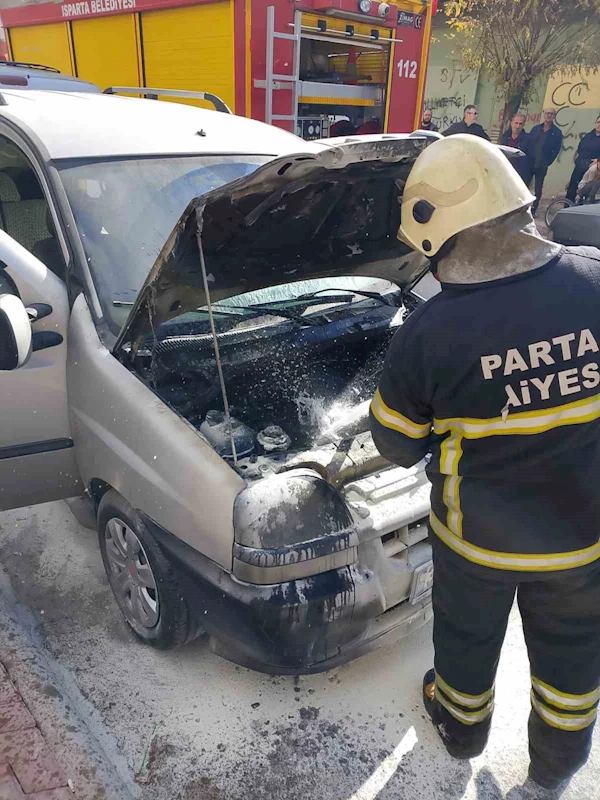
[{"x": 498, "y": 379}]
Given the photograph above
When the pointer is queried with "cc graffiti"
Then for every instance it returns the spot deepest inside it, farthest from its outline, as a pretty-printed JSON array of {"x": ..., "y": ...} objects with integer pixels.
[
  {"x": 568, "y": 93},
  {"x": 567, "y": 96}
]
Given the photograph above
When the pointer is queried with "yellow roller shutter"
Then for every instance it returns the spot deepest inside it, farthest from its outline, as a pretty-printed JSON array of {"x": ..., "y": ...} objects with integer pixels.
[
  {"x": 43, "y": 44},
  {"x": 106, "y": 51},
  {"x": 190, "y": 48}
]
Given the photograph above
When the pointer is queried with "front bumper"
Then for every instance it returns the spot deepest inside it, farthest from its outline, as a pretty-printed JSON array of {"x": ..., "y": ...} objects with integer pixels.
[{"x": 304, "y": 626}]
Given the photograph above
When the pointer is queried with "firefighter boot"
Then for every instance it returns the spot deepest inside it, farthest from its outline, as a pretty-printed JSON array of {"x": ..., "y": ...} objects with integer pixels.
[{"x": 461, "y": 741}]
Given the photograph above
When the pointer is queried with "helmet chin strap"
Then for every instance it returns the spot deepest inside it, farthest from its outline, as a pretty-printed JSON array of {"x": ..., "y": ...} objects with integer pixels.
[
  {"x": 500, "y": 248},
  {"x": 443, "y": 252}
]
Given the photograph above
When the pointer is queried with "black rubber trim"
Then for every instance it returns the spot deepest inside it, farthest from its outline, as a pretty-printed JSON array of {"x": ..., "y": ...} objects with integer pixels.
[{"x": 34, "y": 448}]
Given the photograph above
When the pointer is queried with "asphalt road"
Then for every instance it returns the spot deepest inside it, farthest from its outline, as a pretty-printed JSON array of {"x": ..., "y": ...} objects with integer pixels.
[{"x": 187, "y": 725}]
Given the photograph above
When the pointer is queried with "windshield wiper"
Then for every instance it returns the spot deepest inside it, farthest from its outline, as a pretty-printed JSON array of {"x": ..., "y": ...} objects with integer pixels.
[
  {"x": 258, "y": 309},
  {"x": 280, "y": 308},
  {"x": 362, "y": 293}
]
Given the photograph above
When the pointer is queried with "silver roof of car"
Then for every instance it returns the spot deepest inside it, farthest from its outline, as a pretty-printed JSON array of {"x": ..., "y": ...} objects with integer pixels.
[{"x": 86, "y": 125}]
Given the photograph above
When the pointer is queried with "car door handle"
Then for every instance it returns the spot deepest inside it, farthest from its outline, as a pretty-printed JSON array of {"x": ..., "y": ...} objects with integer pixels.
[{"x": 44, "y": 339}]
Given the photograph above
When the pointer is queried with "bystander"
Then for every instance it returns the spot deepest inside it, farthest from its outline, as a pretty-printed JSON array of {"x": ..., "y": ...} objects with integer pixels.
[
  {"x": 590, "y": 183},
  {"x": 588, "y": 149},
  {"x": 468, "y": 124},
  {"x": 545, "y": 142},
  {"x": 516, "y": 136},
  {"x": 427, "y": 124}
]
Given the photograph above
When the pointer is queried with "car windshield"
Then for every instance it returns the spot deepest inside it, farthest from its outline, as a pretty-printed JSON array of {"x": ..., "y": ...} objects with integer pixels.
[
  {"x": 305, "y": 302},
  {"x": 126, "y": 208}
]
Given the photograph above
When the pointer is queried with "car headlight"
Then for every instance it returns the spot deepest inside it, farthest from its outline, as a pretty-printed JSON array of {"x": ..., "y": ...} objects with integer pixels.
[{"x": 290, "y": 526}]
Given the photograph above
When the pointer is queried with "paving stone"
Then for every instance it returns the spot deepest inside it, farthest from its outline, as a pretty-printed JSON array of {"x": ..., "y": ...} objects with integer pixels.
[
  {"x": 9, "y": 786},
  {"x": 15, "y": 717},
  {"x": 32, "y": 762},
  {"x": 53, "y": 794},
  {"x": 8, "y": 692}
]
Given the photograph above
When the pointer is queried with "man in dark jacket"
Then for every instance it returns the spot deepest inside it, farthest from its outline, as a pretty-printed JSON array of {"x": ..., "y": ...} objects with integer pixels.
[
  {"x": 469, "y": 124},
  {"x": 427, "y": 124},
  {"x": 515, "y": 136},
  {"x": 498, "y": 379},
  {"x": 545, "y": 142},
  {"x": 588, "y": 151}
]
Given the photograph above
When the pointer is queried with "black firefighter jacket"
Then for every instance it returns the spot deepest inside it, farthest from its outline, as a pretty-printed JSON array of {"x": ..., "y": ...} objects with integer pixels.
[
  {"x": 461, "y": 127},
  {"x": 500, "y": 382},
  {"x": 551, "y": 144}
]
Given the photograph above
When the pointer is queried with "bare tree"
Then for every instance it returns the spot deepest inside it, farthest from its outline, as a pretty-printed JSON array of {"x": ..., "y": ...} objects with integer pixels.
[{"x": 520, "y": 41}]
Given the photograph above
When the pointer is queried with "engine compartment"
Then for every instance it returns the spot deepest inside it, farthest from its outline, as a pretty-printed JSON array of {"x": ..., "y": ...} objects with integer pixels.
[{"x": 292, "y": 381}]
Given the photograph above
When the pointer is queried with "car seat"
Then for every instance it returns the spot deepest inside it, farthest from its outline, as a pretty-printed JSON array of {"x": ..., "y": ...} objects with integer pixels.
[{"x": 29, "y": 222}]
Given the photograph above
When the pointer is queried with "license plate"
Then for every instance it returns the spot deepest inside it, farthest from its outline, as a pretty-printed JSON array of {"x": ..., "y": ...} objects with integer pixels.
[{"x": 422, "y": 582}]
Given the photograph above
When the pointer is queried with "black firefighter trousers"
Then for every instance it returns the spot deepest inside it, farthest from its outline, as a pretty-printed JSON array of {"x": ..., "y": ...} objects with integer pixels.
[{"x": 561, "y": 622}]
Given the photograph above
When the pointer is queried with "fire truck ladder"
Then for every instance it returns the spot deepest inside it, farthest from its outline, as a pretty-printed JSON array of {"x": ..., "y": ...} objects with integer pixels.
[{"x": 275, "y": 82}]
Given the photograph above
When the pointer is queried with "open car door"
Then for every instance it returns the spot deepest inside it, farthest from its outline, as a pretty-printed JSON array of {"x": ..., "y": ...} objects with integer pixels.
[{"x": 37, "y": 459}]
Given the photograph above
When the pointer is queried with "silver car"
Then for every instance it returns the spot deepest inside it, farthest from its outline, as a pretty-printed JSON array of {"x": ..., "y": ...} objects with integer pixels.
[
  {"x": 194, "y": 310},
  {"x": 22, "y": 75}
]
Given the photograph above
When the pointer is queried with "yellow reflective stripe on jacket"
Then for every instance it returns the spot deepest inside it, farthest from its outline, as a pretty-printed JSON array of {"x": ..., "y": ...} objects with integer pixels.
[
  {"x": 524, "y": 422},
  {"x": 570, "y": 702},
  {"x": 466, "y": 717},
  {"x": 566, "y": 722},
  {"x": 450, "y": 454},
  {"x": 468, "y": 700},
  {"x": 452, "y": 500},
  {"x": 389, "y": 418},
  {"x": 526, "y": 562}
]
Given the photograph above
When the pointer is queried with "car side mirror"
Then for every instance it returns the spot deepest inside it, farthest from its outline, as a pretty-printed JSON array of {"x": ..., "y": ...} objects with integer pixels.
[{"x": 15, "y": 333}]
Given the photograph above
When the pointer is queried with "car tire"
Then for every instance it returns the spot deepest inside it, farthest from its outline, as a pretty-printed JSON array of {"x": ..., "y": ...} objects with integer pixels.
[{"x": 145, "y": 585}]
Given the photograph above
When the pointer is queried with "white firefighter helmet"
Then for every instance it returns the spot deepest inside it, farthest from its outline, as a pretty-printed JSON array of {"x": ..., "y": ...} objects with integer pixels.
[{"x": 456, "y": 183}]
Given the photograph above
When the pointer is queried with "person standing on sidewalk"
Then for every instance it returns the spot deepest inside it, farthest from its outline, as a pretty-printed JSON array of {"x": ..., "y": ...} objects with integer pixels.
[
  {"x": 587, "y": 151},
  {"x": 545, "y": 142},
  {"x": 515, "y": 136},
  {"x": 427, "y": 123},
  {"x": 468, "y": 124},
  {"x": 498, "y": 379}
]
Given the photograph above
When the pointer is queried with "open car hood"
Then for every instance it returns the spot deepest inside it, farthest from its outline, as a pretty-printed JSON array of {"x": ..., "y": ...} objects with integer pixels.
[
  {"x": 298, "y": 217},
  {"x": 309, "y": 215}
]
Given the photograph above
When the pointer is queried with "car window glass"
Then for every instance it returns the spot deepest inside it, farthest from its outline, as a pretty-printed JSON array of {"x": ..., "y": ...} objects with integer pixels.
[
  {"x": 24, "y": 211},
  {"x": 125, "y": 210}
]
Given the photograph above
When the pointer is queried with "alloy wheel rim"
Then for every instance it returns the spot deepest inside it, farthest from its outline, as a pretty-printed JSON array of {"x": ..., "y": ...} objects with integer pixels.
[{"x": 131, "y": 575}]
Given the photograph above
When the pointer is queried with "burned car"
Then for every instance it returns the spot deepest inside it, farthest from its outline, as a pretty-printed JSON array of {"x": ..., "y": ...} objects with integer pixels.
[{"x": 213, "y": 408}]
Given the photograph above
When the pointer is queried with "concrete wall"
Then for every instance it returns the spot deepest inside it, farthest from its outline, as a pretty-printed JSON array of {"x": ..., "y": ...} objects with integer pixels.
[{"x": 449, "y": 88}]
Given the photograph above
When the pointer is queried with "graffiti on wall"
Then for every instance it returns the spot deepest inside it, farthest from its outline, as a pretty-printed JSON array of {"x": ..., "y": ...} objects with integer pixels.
[
  {"x": 531, "y": 117},
  {"x": 449, "y": 90},
  {"x": 571, "y": 95}
]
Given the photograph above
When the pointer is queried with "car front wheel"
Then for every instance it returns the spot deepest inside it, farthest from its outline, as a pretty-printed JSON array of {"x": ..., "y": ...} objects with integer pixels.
[{"x": 143, "y": 582}]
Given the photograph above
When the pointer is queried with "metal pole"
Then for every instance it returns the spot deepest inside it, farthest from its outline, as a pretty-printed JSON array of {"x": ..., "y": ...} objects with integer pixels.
[
  {"x": 269, "y": 75},
  {"x": 296, "y": 70}
]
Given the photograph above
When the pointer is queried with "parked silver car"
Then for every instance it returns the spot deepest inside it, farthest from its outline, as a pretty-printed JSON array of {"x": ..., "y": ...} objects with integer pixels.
[
  {"x": 210, "y": 302},
  {"x": 22, "y": 75}
]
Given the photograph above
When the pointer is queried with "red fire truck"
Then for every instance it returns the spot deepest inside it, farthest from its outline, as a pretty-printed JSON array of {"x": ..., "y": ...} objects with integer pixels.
[{"x": 300, "y": 64}]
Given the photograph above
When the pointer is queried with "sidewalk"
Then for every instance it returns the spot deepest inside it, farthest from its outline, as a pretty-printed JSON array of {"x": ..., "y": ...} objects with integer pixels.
[{"x": 28, "y": 768}]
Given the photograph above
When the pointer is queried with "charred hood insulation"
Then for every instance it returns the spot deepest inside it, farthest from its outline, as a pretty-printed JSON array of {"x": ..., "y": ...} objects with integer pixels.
[{"x": 295, "y": 218}]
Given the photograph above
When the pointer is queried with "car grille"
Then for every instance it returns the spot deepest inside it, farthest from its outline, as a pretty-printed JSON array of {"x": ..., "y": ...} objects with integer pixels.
[{"x": 396, "y": 542}]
